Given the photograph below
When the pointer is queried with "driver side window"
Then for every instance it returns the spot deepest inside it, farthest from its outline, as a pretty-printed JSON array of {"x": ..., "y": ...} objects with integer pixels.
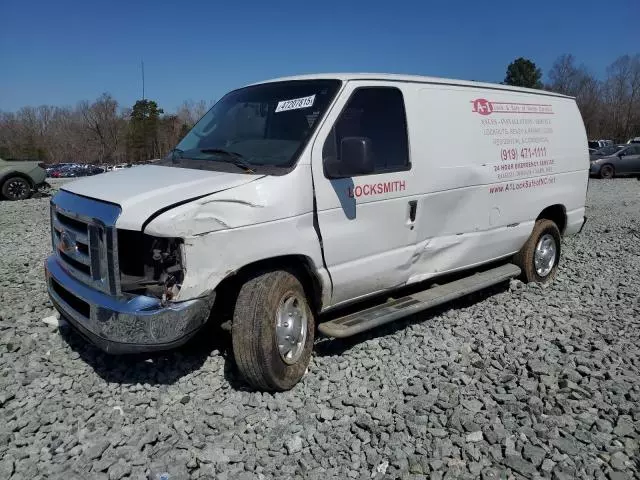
[{"x": 377, "y": 114}]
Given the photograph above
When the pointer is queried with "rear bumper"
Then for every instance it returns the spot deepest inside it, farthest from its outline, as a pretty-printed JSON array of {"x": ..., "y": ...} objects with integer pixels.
[{"x": 134, "y": 324}]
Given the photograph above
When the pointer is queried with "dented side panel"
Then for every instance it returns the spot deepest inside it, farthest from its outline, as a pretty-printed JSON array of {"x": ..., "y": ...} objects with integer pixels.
[
  {"x": 484, "y": 165},
  {"x": 265, "y": 200},
  {"x": 226, "y": 231},
  {"x": 489, "y": 168},
  {"x": 212, "y": 257}
]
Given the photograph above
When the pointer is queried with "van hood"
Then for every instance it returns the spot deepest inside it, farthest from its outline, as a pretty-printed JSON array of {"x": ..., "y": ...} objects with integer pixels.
[{"x": 144, "y": 190}]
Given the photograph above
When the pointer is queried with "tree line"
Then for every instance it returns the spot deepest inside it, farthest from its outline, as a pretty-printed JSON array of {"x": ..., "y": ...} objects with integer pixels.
[
  {"x": 96, "y": 132},
  {"x": 103, "y": 131},
  {"x": 610, "y": 107}
]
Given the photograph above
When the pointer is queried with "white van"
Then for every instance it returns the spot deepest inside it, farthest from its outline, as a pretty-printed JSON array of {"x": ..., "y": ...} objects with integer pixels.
[{"x": 295, "y": 197}]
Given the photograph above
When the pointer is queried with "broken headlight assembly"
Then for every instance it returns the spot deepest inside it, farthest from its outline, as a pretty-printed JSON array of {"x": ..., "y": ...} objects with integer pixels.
[{"x": 151, "y": 266}]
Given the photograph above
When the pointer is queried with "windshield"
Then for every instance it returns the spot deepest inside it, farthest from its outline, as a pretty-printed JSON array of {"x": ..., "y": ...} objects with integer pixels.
[{"x": 262, "y": 125}]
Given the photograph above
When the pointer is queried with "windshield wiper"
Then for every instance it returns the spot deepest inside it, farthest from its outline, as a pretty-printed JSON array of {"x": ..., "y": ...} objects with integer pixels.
[{"x": 233, "y": 157}]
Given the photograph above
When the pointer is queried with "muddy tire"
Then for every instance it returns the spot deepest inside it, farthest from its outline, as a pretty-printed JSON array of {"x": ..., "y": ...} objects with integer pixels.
[
  {"x": 607, "y": 171},
  {"x": 272, "y": 331},
  {"x": 539, "y": 257},
  {"x": 16, "y": 188}
]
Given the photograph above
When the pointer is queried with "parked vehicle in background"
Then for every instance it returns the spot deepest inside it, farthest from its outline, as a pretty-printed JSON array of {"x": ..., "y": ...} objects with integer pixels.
[
  {"x": 600, "y": 143},
  {"x": 623, "y": 162},
  {"x": 20, "y": 179},
  {"x": 294, "y": 197},
  {"x": 634, "y": 140},
  {"x": 53, "y": 169},
  {"x": 605, "y": 151},
  {"x": 72, "y": 170}
]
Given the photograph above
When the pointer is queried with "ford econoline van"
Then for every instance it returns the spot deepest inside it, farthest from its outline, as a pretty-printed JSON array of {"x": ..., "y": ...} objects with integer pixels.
[{"x": 296, "y": 197}]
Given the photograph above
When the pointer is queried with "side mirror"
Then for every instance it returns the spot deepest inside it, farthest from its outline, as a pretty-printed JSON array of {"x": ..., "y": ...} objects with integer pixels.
[{"x": 356, "y": 158}]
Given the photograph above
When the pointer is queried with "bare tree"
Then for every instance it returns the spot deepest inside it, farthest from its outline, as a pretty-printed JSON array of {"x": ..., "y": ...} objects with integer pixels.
[
  {"x": 103, "y": 124},
  {"x": 622, "y": 94},
  {"x": 567, "y": 78},
  {"x": 611, "y": 108},
  {"x": 190, "y": 112}
]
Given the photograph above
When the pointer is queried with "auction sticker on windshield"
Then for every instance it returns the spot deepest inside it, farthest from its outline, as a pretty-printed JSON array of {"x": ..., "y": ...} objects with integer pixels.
[{"x": 295, "y": 103}]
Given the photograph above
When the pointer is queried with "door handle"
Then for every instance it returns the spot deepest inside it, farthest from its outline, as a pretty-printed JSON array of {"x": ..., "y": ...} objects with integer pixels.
[{"x": 413, "y": 207}]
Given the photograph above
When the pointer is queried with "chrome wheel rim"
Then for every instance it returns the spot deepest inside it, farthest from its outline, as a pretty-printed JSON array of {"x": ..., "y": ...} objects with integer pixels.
[
  {"x": 544, "y": 257},
  {"x": 291, "y": 328},
  {"x": 17, "y": 189}
]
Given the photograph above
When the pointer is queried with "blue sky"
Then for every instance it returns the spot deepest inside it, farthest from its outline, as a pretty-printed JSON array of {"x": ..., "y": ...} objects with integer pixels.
[{"x": 61, "y": 52}]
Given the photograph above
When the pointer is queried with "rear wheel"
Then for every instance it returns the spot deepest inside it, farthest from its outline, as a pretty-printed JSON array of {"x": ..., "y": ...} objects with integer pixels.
[
  {"x": 539, "y": 257},
  {"x": 16, "y": 188},
  {"x": 607, "y": 171},
  {"x": 272, "y": 331}
]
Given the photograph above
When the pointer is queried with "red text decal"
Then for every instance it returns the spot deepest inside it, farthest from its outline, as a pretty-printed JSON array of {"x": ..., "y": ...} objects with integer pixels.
[
  {"x": 482, "y": 106},
  {"x": 485, "y": 107},
  {"x": 369, "y": 189}
]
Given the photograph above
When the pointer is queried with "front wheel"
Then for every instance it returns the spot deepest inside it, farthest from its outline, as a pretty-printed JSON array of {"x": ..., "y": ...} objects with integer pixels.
[
  {"x": 539, "y": 257},
  {"x": 607, "y": 171},
  {"x": 16, "y": 188},
  {"x": 272, "y": 331}
]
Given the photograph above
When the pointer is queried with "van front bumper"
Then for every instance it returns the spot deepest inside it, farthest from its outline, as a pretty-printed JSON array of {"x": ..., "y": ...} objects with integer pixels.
[{"x": 133, "y": 324}]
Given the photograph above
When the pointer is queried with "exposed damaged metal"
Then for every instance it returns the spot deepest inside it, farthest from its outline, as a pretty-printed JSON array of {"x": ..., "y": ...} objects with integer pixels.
[
  {"x": 149, "y": 265},
  {"x": 232, "y": 200}
]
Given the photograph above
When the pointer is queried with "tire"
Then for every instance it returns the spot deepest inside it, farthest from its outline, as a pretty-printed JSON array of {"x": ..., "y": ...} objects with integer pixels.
[
  {"x": 16, "y": 188},
  {"x": 263, "y": 302},
  {"x": 544, "y": 235},
  {"x": 607, "y": 171}
]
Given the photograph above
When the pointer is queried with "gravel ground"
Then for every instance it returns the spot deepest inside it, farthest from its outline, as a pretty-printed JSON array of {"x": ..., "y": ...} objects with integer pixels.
[{"x": 520, "y": 381}]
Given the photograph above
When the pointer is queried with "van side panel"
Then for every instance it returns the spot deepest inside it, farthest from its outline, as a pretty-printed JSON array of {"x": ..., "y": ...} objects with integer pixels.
[{"x": 488, "y": 162}]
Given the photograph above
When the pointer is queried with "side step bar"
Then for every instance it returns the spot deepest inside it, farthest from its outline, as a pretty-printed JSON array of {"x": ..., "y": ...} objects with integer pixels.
[{"x": 388, "y": 312}]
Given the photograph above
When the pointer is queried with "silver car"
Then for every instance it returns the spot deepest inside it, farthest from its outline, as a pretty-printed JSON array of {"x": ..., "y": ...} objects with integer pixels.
[{"x": 624, "y": 162}]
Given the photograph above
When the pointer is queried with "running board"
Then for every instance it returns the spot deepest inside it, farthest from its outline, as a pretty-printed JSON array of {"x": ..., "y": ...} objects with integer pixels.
[{"x": 388, "y": 312}]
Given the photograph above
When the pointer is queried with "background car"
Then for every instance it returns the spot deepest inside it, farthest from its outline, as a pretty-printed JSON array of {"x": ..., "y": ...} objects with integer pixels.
[
  {"x": 624, "y": 162},
  {"x": 605, "y": 151},
  {"x": 599, "y": 143},
  {"x": 70, "y": 170},
  {"x": 19, "y": 179}
]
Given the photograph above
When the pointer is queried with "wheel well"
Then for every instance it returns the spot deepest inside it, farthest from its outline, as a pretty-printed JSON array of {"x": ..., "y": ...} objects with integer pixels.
[
  {"x": 557, "y": 214},
  {"x": 16, "y": 174},
  {"x": 302, "y": 266}
]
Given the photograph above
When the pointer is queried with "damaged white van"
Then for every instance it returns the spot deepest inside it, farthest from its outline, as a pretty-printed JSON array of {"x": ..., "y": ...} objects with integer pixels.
[{"x": 298, "y": 196}]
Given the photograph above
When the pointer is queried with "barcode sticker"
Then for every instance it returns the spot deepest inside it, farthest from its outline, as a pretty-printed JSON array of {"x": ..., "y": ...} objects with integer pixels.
[{"x": 296, "y": 103}]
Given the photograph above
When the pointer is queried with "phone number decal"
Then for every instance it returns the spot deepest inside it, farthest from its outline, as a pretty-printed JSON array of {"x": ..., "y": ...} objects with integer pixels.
[{"x": 522, "y": 153}]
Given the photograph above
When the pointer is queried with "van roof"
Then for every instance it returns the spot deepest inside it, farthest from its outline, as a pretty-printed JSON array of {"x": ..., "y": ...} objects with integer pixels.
[{"x": 391, "y": 77}]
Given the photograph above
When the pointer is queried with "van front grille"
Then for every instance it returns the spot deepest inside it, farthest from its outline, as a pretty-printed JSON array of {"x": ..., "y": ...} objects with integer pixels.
[{"x": 84, "y": 240}]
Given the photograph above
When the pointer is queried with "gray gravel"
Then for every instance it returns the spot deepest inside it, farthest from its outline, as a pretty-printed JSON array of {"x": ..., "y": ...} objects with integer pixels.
[{"x": 520, "y": 381}]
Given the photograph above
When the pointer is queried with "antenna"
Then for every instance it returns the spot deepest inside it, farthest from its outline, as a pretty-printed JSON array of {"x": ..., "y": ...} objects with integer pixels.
[{"x": 142, "y": 62}]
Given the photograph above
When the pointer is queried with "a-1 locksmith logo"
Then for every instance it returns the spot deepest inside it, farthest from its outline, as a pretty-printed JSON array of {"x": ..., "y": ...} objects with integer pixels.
[{"x": 482, "y": 106}]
